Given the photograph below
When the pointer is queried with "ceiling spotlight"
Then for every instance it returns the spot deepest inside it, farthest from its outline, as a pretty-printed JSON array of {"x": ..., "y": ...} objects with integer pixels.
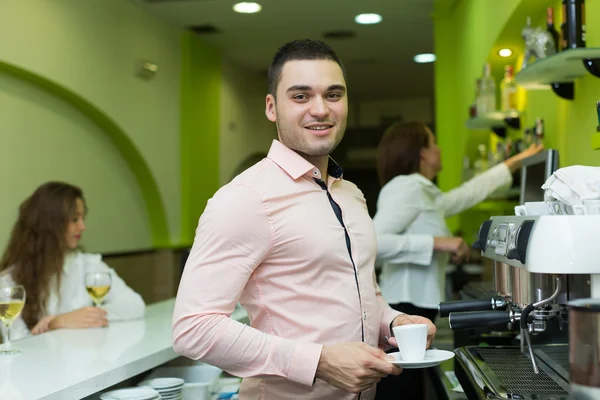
[
  {"x": 247, "y": 8},
  {"x": 424, "y": 58},
  {"x": 505, "y": 52},
  {"x": 367, "y": 19}
]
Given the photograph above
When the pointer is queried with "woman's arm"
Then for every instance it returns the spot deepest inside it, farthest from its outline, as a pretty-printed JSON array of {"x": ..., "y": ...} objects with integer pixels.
[{"x": 480, "y": 187}]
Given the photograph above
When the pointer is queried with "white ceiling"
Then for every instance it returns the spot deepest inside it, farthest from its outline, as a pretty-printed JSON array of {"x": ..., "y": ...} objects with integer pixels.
[{"x": 378, "y": 59}]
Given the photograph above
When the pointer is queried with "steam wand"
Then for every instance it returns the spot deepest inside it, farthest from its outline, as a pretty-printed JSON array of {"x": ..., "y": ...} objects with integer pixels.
[{"x": 524, "y": 317}]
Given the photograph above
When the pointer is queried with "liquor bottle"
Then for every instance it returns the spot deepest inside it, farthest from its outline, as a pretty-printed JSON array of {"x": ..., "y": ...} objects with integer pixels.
[
  {"x": 550, "y": 27},
  {"x": 575, "y": 12},
  {"x": 539, "y": 130},
  {"x": 479, "y": 104},
  {"x": 508, "y": 89},
  {"x": 564, "y": 40},
  {"x": 488, "y": 90},
  {"x": 481, "y": 164}
]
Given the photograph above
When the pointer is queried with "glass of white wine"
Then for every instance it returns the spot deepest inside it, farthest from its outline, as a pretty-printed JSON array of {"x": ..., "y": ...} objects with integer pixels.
[
  {"x": 12, "y": 300},
  {"x": 97, "y": 285}
]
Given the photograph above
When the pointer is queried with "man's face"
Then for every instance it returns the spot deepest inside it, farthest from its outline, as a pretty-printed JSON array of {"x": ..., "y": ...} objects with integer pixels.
[{"x": 311, "y": 106}]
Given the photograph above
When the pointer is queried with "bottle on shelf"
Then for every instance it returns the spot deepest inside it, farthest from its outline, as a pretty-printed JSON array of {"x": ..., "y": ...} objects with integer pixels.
[
  {"x": 527, "y": 139},
  {"x": 509, "y": 148},
  {"x": 508, "y": 89},
  {"x": 479, "y": 104},
  {"x": 481, "y": 164},
  {"x": 488, "y": 89},
  {"x": 539, "y": 130},
  {"x": 499, "y": 155},
  {"x": 564, "y": 36},
  {"x": 575, "y": 28},
  {"x": 551, "y": 29}
]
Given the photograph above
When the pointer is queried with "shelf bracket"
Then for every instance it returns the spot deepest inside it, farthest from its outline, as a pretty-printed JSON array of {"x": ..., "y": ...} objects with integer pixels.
[
  {"x": 500, "y": 131},
  {"x": 566, "y": 90},
  {"x": 513, "y": 122},
  {"x": 592, "y": 65}
]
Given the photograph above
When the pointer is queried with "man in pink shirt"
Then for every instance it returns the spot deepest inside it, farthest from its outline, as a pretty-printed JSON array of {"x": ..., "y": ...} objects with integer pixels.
[{"x": 292, "y": 241}]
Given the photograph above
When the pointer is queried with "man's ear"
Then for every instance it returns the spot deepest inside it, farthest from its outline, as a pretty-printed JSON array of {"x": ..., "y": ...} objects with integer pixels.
[{"x": 270, "y": 109}]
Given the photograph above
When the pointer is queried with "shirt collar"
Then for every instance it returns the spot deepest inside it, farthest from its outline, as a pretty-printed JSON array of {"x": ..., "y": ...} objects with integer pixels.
[
  {"x": 295, "y": 165},
  {"x": 422, "y": 179}
]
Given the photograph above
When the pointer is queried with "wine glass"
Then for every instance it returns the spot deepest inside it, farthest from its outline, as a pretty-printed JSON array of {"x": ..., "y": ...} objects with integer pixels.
[
  {"x": 97, "y": 285},
  {"x": 12, "y": 300}
]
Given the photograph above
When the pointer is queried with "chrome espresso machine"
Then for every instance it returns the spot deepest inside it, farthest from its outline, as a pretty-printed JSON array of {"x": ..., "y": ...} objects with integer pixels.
[{"x": 540, "y": 263}]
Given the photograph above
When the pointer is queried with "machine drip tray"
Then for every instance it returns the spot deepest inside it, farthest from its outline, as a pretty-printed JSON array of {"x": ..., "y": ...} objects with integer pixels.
[{"x": 506, "y": 373}]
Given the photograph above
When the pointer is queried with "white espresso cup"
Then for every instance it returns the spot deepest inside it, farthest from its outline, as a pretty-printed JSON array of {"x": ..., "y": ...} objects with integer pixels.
[{"x": 412, "y": 341}]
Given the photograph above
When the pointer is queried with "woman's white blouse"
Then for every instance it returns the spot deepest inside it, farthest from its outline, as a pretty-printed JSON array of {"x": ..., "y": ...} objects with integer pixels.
[
  {"x": 121, "y": 302},
  {"x": 411, "y": 211}
]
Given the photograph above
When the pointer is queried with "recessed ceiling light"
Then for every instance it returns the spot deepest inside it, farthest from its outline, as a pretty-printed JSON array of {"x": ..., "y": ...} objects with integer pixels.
[
  {"x": 367, "y": 19},
  {"x": 505, "y": 52},
  {"x": 247, "y": 8},
  {"x": 424, "y": 58}
]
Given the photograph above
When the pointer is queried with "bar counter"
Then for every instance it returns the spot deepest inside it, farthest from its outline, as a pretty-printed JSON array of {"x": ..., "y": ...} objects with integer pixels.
[{"x": 72, "y": 364}]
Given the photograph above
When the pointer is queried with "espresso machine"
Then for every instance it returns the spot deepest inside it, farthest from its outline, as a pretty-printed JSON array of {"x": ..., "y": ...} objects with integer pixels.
[{"x": 540, "y": 263}]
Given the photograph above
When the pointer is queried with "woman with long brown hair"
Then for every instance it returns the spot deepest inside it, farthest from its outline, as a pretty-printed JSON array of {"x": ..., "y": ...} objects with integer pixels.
[
  {"x": 43, "y": 256},
  {"x": 413, "y": 240}
]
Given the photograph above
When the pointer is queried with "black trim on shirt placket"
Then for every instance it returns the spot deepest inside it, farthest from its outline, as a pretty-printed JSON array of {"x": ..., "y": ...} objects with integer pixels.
[{"x": 338, "y": 213}]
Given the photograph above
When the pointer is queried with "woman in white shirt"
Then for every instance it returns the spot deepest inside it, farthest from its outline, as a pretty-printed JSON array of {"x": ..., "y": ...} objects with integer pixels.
[
  {"x": 43, "y": 256},
  {"x": 414, "y": 242}
]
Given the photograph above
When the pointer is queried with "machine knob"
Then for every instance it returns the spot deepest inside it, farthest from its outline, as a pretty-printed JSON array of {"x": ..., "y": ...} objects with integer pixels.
[
  {"x": 513, "y": 255},
  {"x": 520, "y": 251},
  {"x": 481, "y": 242}
]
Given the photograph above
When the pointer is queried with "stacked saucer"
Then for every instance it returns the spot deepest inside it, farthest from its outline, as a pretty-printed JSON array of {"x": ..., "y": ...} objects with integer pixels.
[
  {"x": 168, "y": 388},
  {"x": 140, "y": 393}
]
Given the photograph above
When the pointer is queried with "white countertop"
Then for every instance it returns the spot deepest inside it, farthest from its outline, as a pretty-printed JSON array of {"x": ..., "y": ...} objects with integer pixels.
[{"x": 71, "y": 364}]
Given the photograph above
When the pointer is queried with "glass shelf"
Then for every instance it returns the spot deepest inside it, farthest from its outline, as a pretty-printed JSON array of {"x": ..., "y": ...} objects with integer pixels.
[
  {"x": 493, "y": 120},
  {"x": 565, "y": 66}
]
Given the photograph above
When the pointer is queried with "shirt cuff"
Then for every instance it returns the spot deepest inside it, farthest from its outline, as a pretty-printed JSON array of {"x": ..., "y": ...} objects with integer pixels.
[
  {"x": 303, "y": 366},
  {"x": 385, "y": 327},
  {"x": 501, "y": 173}
]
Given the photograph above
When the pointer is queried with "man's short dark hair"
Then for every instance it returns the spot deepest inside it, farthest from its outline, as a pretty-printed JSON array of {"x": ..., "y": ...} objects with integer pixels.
[{"x": 297, "y": 50}]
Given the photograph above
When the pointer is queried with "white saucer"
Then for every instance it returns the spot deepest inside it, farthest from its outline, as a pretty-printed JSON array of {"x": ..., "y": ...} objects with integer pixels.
[
  {"x": 164, "y": 383},
  {"x": 432, "y": 358},
  {"x": 145, "y": 393}
]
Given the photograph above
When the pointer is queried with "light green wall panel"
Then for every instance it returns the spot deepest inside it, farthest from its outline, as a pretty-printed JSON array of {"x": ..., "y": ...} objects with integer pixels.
[
  {"x": 467, "y": 34},
  {"x": 199, "y": 135}
]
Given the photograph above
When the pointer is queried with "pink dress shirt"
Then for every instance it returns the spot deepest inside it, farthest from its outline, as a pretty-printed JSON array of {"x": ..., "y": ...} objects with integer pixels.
[{"x": 271, "y": 240}]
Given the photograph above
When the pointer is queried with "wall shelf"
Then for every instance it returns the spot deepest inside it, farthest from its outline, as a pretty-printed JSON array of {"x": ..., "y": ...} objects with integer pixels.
[
  {"x": 558, "y": 71},
  {"x": 495, "y": 121}
]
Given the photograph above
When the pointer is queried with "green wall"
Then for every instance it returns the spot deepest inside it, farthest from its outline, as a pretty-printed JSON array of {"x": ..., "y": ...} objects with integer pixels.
[
  {"x": 464, "y": 33},
  {"x": 200, "y": 124},
  {"x": 468, "y": 34}
]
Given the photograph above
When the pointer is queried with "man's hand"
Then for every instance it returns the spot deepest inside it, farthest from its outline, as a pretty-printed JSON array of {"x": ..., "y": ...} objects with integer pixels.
[
  {"x": 86, "y": 317},
  {"x": 354, "y": 367},
  {"x": 405, "y": 319}
]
